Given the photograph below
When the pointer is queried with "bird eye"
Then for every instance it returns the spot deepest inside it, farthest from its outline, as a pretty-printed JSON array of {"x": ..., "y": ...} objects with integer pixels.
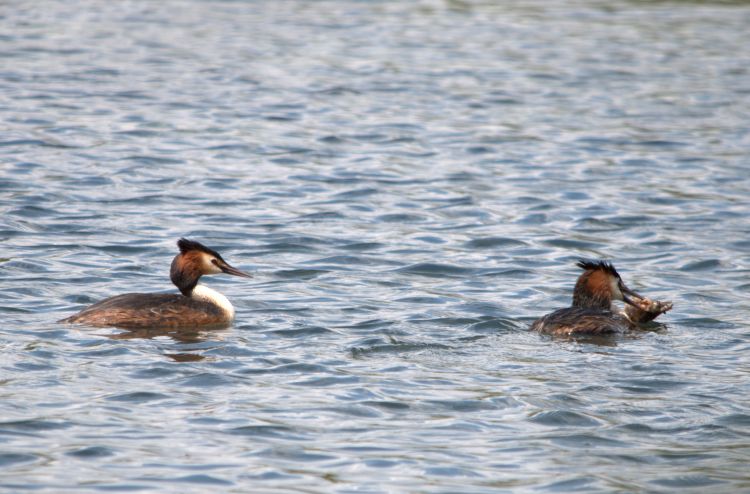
[{"x": 214, "y": 262}]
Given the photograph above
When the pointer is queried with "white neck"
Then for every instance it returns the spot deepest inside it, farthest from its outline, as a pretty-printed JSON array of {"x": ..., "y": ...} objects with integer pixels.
[{"x": 202, "y": 292}]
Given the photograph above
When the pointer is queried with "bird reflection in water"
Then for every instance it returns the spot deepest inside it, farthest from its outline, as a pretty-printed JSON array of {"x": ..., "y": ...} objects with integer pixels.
[{"x": 183, "y": 336}]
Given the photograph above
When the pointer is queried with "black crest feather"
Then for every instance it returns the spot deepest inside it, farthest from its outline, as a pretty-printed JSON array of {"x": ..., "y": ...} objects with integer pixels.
[
  {"x": 598, "y": 265},
  {"x": 186, "y": 246}
]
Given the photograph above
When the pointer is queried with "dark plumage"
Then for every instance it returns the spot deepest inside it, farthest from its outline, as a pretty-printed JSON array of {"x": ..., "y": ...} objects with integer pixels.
[
  {"x": 186, "y": 246},
  {"x": 580, "y": 320},
  {"x": 600, "y": 265}
]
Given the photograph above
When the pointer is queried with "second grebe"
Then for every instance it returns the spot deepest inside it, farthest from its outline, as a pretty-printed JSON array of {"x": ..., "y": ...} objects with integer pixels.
[
  {"x": 197, "y": 306},
  {"x": 591, "y": 312}
]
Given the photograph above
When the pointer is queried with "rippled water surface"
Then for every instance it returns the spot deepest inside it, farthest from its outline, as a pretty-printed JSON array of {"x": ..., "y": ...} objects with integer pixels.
[{"x": 411, "y": 184}]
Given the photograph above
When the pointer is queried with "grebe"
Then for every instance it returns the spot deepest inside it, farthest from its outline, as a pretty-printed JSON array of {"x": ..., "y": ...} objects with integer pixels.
[
  {"x": 591, "y": 312},
  {"x": 197, "y": 306}
]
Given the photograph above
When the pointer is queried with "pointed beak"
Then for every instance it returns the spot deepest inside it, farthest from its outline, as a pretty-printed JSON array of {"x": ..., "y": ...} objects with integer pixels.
[
  {"x": 226, "y": 268},
  {"x": 627, "y": 293}
]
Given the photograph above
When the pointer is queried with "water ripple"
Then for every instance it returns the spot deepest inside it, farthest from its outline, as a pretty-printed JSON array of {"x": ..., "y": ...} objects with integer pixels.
[{"x": 410, "y": 185}]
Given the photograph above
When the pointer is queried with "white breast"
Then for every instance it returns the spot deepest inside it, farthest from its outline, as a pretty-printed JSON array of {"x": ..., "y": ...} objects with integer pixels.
[{"x": 202, "y": 292}]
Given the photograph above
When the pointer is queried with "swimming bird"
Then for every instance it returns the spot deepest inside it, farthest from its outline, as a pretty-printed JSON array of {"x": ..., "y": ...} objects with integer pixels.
[
  {"x": 592, "y": 312},
  {"x": 195, "y": 306}
]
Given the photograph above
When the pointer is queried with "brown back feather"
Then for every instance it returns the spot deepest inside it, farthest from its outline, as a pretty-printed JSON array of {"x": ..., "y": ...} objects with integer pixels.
[
  {"x": 138, "y": 310},
  {"x": 576, "y": 320}
]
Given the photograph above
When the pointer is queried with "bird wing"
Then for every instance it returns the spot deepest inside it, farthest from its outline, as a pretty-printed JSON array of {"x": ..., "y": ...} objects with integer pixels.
[
  {"x": 148, "y": 310},
  {"x": 576, "y": 320}
]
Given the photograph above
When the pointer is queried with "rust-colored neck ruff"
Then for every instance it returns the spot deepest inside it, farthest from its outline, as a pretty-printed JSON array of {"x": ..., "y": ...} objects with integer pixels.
[
  {"x": 186, "y": 271},
  {"x": 593, "y": 290}
]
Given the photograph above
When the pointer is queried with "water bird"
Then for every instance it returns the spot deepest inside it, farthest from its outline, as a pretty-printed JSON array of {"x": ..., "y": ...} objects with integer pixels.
[
  {"x": 195, "y": 306},
  {"x": 592, "y": 312}
]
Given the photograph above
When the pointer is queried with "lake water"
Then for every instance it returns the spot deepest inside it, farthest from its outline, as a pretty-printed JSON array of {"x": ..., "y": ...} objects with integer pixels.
[{"x": 411, "y": 184}]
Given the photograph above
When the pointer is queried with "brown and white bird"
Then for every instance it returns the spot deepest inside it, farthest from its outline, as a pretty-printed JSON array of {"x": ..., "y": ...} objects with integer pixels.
[{"x": 196, "y": 305}]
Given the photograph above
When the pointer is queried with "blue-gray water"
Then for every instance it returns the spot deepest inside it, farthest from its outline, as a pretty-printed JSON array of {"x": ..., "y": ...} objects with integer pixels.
[{"x": 410, "y": 183}]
